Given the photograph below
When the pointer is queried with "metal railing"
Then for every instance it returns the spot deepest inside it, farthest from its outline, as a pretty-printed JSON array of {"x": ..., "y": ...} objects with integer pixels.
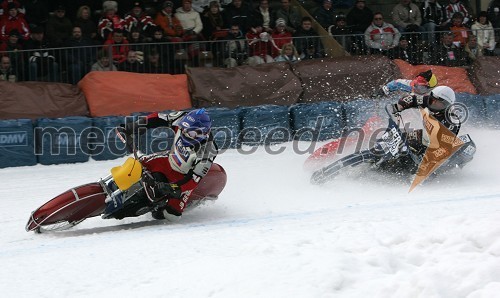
[{"x": 69, "y": 65}]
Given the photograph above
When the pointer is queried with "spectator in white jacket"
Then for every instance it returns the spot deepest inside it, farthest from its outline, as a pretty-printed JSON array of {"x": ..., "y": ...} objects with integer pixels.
[
  {"x": 485, "y": 34},
  {"x": 189, "y": 18},
  {"x": 381, "y": 36}
]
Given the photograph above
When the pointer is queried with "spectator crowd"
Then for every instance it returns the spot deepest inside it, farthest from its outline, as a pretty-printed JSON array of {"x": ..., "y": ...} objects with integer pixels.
[{"x": 64, "y": 40}]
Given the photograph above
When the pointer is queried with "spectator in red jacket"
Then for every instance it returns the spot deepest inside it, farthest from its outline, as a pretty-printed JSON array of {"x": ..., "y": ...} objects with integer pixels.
[
  {"x": 137, "y": 18},
  {"x": 119, "y": 46},
  {"x": 110, "y": 20},
  {"x": 14, "y": 21}
]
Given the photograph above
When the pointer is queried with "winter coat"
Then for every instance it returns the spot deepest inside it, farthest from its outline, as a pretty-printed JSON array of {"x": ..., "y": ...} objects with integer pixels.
[
  {"x": 18, "y": 23},
  {"x": 485, "y": 35},
  {"x": 359, "y": 19},
  {"x": 58, "y": 30},
  {"x": 292, "y": 17},
  {"x": 432, "y": 13},
  {"x": 386, "y": 36},
  {"x": 167, "y": 23},
  {"x": 450, "y": 9},
  {"x": 402, "y": 16},
  {"x": 190, "y": 20}
]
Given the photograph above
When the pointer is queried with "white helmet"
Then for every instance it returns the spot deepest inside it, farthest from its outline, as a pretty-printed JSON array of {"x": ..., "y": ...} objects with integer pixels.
[{"x": 441, "y": 98}]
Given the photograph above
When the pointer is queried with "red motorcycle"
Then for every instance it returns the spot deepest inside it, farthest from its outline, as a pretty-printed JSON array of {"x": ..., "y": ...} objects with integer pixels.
[{"x": 79, "y": 203}]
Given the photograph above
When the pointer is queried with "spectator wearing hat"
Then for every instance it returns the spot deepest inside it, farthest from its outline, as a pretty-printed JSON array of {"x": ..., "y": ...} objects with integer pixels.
[
  {"x": 380, "y": 36},
  {"x": 110, "y": 21},
  {"x": 13, "y": 20},
  {"x": 139, "y": 19},
  {"x": 59, "y": 27},
  {"x": 290, "y": 14},
  {"x": 485, "y": 34},
  {"x": 37, "y": 12},
  {"x": 307, "y": 41},
  {"x": 342, "y": 33},
  {"x": 265, "y": 15},
  {"x": 324, "y": 14},
  {"x": 166, "y": 20},
  {"x": 85, "y": 22},
  {"x": 280, "y": 37},
  {"x": 240, "y": 13},
  {"x": 42, "y": 64}
]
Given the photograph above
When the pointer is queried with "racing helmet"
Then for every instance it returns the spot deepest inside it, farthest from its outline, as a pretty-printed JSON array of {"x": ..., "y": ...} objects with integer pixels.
[
  {"x": 424, "y": 82},
  {"x": 420, "y": 86},
  {"x": 429, "y": 77},
  {"x": 440, "y": 99},
  {"x": 195, "y": 127}
]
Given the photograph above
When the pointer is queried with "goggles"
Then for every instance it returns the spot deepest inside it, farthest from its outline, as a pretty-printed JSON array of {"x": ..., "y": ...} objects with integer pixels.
[
  {"x": 436, "y": 104},
  {"x": 194, "y": 134},
  {"x": 420, "y": 86}
]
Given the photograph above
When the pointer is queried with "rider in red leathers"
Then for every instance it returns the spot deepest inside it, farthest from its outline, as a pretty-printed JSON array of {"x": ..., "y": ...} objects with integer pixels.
[{"x": 175, "y": 173}]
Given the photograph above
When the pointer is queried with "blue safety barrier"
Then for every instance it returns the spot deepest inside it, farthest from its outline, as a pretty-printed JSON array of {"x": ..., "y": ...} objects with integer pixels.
[
  {"x": 63, "y": 140},
  {"x": 225, "y": 126},
  {"x": 155, "y": 139},
  {"x": 474, "y": 109},
  {"x": 317, "y": 121},
  {"x": 357, "y": 112},
  {"x": 492, "y": 105},
  {"x": 269, "y": 124},
  {"x": 105, "y": 144},
  {"x": 16, "y": 143}
]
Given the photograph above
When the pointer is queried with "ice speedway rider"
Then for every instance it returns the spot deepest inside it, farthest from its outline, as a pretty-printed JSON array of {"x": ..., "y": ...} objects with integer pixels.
[
  {"x": 177, "y": 172},
  {"x": 421, "y": 85},
  {"x": 440, "y": 105}
]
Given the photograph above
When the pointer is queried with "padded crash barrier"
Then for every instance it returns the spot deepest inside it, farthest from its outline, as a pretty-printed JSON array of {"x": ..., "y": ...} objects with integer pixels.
[
  {"x": 16, "y": 143},
  {"x": 118, "y": 93},
  {"x": 317, "y": 121},
  {"x": 63, "y": 140},
  {"x": 268, "y": 124},
  {"x": 226, "y": 126},
  {"x": 75, "y": 139},
  {"x": 105, "y": 144}
]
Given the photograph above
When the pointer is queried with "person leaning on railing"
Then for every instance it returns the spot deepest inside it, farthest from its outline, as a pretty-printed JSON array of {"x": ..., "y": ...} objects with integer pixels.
[{"x": 483, "y": 30}]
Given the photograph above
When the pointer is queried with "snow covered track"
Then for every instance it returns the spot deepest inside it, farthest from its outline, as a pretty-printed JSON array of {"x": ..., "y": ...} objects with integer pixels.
[{"x": 270, "y": 234}]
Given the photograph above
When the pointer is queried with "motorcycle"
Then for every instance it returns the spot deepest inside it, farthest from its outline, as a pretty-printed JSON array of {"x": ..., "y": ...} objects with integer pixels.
[
  {"x": 127, "y": 182},
  {"x": 391, "y": 153}
]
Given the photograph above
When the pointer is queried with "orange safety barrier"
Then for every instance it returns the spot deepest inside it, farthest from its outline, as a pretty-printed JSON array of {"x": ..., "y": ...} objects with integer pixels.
[
  {"x": 453, "y": 77},
  {"x": 116, "y": 93}
]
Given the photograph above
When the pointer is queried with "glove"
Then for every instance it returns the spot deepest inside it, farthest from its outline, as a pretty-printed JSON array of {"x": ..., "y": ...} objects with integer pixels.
[
  {"x": 383, "y": 91},
  {"x": 164, "y": 189},
  {"x": 130, "y": 131}
]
